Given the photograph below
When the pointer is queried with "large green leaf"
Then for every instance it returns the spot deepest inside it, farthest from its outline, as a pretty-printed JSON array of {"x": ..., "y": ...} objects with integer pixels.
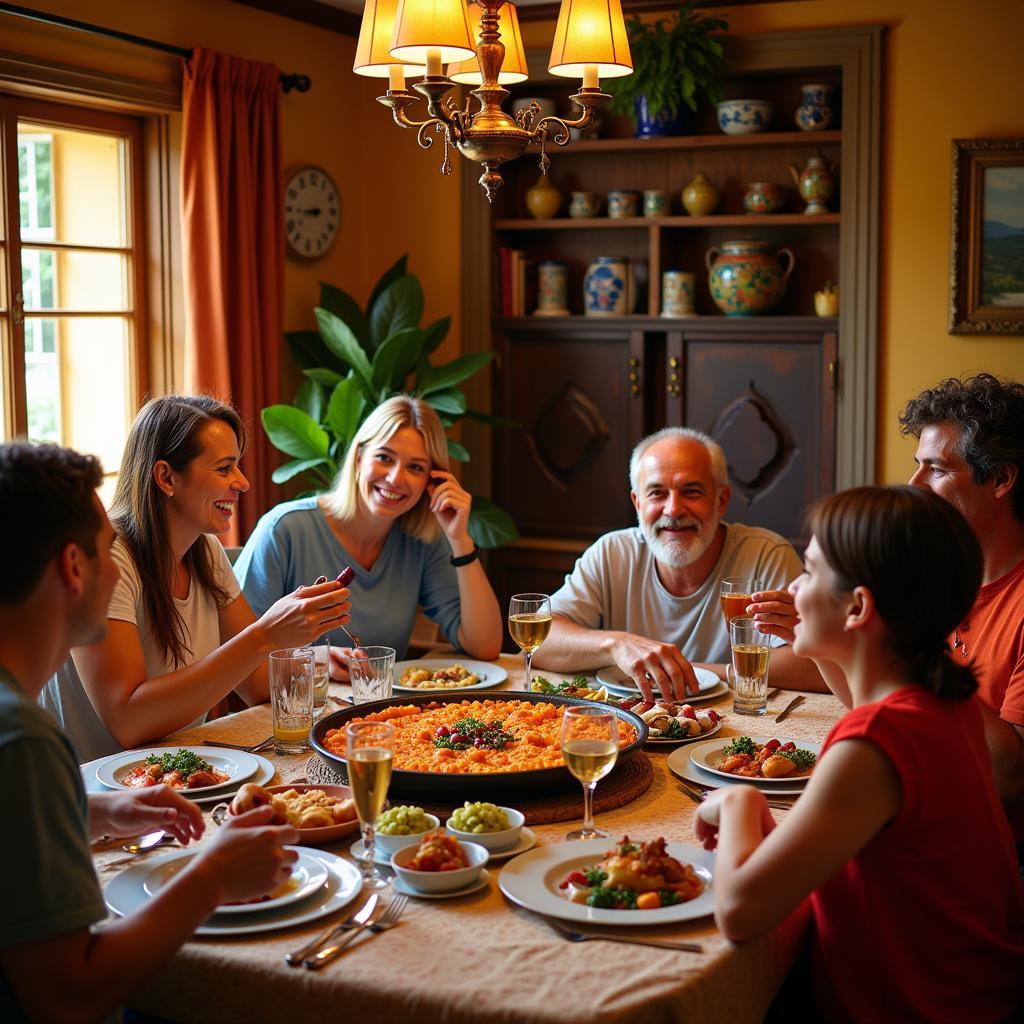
[
  {"x": 393, "y": 273},
  {"x": 400, "y": 305},
  {"x": 329, "y": 378},
  {"x": 343, "y": 343},
  {"x": 456, "y": 451},
  {"x": 396, "y": 357},
  {"x": 284, "y": 473},
  {"x": 492, "y": 421},
  {"x": 345, "y": 412},
  {"x": 451, "y": 401},
  {"x": 310, "y": 399},
  {"x": 294, "y": 433},
  {"x": 436, "y": 333},
  {"x": 308, "y": 349},
  {"x": 437, "y": 378},
  {"x": 490, "y": 526},
  {"x": 343, "y": 306}
]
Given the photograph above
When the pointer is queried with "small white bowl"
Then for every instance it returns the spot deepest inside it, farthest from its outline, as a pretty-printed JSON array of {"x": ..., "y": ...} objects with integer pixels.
[
  {"x": 392, "y": 844},
  {"x": 501, "y": 840},
  {"x": 744, "y": 117},
  {"x": 440, "y": 881}
]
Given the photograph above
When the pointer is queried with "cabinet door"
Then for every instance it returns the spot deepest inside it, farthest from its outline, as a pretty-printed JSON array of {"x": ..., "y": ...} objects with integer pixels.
[
  {"x": 770, "y": 403},
  {"x": 577, "y": 391}
]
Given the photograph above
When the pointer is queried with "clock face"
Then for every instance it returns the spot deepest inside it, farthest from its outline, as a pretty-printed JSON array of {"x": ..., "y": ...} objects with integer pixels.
[{"x": 312, "y": 212}]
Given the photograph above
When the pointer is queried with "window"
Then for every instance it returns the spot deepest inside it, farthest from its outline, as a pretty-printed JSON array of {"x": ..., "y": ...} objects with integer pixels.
[{"x": 70, "y": 260}]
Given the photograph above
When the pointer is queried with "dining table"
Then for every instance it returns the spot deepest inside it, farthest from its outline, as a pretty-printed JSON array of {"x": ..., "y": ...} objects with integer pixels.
[{"x": 480, "y": 957}]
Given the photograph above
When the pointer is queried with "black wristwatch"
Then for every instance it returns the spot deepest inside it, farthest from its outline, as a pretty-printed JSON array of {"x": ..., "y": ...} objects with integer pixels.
[{"x": 466, "y": 559}]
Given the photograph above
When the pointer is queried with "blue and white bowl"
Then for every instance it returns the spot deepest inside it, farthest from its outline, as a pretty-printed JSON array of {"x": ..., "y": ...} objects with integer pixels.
[{"x": 744, "y": 117}]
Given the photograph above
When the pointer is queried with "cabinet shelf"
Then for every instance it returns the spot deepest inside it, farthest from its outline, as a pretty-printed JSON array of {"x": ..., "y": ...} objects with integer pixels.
[
  {"x": 727, "y": 220},
  {"x": 720, "y": 322},
  {"x": 758, "y": 140}
]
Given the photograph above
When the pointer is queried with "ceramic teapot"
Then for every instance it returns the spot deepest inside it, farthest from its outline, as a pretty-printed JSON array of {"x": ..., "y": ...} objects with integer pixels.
[{"x": 816, "y": 183}]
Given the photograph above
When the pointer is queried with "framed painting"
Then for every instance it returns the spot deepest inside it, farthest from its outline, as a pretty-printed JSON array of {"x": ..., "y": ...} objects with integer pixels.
[{"x": 987, "y": 282}]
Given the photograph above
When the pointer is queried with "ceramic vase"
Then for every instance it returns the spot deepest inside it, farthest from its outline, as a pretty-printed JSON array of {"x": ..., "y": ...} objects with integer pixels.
[
  {"x": 655, "y": 202},
  {"x": 700, "y": 197},
  {"x": 585, "y": 204},
  {"x": 543, "y": 200},
  {"x": 764, "y": 197},
  {"x": 819, "y": 107},
  {"x": 816, "y": 183},
  {"x": 677, "y": 293},
  {"x": 606, "y": 287},
  {"x": 747, "y": 278},
  {"x": 552, "y": 289},
  {"x": 622, "y": 203}
]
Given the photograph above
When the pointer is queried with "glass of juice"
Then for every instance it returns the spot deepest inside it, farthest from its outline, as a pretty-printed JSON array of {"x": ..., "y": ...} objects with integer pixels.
[
  {"x": 291, "y": 698},
  {"x": 748, "y": 673},
  {"x": 590, "y": 746},
  {"x": 529, "y": 622},
  {"x": 368, "y": 748},
  {"x": 735, "y": 593}
]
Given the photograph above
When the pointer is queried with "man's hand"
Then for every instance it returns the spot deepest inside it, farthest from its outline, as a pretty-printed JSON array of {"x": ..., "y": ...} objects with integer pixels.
[
  {"x": 340, "y": 657},
  {"x": 774, "y": 612},
  {"x": 136, "y": 811},
  {"x": 653, "y": 665}
]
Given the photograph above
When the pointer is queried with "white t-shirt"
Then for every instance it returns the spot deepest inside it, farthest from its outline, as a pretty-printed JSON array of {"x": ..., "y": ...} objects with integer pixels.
[
  {"x": 65, "y": 696},
  {"x": 615, "y": 585}
]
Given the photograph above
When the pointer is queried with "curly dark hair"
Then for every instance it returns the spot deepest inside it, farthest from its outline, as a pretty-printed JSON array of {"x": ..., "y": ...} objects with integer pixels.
[{"x": 989, "y": 413}]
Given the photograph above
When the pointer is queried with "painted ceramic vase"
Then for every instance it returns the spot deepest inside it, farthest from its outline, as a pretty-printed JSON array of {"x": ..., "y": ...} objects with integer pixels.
[
  {"x": 764, "y": 197},
  {"x": 543, "y": 200},
  {"x": 816, "y": 183},
  {"x": 826, "y": 302},
  {"x": 746, "y": 278},
  {"x": 819, "y": 107},
  {"x": 622, "y": 203},
  {"x": 606, "y": 287},
  {"x": 585, "y": 204},
  {"x": 700, "y": 197},
  {"x": 552, "y": 289},
  {"x": 655, "y": 202},
  {"x": 677, "y": 293}
]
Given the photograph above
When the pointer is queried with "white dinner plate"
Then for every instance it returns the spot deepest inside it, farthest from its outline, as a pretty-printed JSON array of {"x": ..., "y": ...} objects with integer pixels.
[
  {"x": 478, "y": 883},
  {"x": 613, "y": 677},
  {"x": 308, "y": 875},
  {"x": 708, "y": 756},
  {"x": 239, "y": 765},
  {"x": 713, "y": 694},
  {"x": 264, "y": 773},
  {"x": 532, "y": 879},
  {"x": 661, "y": 741},
  {"x": 125, "y": 894},
  {"x": 679, "y": 763},
  {"x": 490, "y": 675}
]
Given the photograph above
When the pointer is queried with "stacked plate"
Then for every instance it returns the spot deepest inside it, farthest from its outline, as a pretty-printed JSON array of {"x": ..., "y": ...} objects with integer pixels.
[
  {"x": 109, "y": 772},
  {"x": 616, "y": 681},
  {"x": 700, "y": 763},
  {"x": 487, "y": 674}
]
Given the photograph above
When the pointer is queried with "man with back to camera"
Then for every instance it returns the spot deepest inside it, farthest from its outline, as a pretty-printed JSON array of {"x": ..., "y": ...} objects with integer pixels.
[
  {"x": 970, "y": 451},
  {"x": 55, "y": 586},
  {"x": 647, "y": 598}
]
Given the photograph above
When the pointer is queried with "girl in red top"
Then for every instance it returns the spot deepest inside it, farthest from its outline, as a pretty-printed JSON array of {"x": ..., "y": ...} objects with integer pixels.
[{"x": 899, "y": 837}]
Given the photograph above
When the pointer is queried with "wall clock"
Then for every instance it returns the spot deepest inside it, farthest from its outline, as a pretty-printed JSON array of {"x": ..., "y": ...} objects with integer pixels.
[{"x": 312, "y": 212}]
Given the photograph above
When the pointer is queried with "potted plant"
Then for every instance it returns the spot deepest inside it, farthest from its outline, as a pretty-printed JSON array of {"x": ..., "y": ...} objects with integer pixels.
[
  {"x": 675, "y": 60},
  {"x": 359, "y": 359}
]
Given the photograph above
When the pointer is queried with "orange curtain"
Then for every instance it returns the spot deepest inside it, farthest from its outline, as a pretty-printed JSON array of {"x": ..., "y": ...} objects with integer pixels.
[{"x": 233, "y": 248}]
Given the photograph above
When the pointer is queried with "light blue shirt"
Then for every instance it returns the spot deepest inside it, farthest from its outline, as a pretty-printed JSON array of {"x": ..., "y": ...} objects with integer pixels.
[{"x": 293, "y": 544}]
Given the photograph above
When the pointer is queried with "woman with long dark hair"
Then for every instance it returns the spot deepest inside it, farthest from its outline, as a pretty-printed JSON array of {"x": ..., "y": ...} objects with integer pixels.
[
  {"x": 899, "y": 838},
  {"x": 181, "y": 636}
]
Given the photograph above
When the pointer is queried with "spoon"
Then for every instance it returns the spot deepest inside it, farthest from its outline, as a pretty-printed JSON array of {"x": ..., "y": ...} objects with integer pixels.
[
  {"x": 147, "y": 842},
  {"x": 356, "y": 642}
]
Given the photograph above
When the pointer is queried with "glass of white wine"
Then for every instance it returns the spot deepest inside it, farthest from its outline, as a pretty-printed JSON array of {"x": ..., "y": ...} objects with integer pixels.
[
  {"x": 529, "y": 622},
  {"x": 368, "y": 747},
  {"x": 590, "y": 746}
]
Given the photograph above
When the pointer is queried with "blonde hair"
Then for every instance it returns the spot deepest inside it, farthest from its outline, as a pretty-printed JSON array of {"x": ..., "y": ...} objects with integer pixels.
[{"x": 342, "y": 500}]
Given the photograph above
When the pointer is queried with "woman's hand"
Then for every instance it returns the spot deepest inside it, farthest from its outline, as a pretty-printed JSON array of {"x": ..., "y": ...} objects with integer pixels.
[
  {"x": 774, "y": 612},
  {"x": 340, "y": 657},
  {"x": 705, "y": 819},
  {"x": 450, "y": 502},
  {"x": 137, "y": 811},
  {"x": 299, "y": 618}
]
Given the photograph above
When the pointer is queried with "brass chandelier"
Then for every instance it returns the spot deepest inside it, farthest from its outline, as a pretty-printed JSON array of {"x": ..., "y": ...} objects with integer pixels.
[{"x": 416, "y": 37}]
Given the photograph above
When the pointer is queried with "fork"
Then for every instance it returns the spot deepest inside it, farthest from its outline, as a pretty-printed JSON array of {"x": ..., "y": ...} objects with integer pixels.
[
  {"x": 390, "y": 917},
  {"x": 567, "y": 933},
  {"x": 698, "y": 795},
  {"x": 254, "y": 749},
  {"x": 365, "y": 912}
]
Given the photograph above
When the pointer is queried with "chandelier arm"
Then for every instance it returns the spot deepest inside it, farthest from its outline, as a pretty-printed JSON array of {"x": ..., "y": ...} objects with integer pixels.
[{"x": 560, "y": 135}]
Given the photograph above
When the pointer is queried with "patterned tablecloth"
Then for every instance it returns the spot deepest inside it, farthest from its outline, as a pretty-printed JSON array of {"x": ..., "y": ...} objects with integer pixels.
[{"x": 479, "y": 957}]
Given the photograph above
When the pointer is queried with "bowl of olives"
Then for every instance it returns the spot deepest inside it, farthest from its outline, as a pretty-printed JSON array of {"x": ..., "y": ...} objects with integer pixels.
[
  {"x": 493, "y": 827},
  {"x": 401, "y": 826}
]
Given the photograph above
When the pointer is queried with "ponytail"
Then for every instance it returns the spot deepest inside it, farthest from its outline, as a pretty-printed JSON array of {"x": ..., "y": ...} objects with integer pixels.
[{"x": 940, "y": 673}]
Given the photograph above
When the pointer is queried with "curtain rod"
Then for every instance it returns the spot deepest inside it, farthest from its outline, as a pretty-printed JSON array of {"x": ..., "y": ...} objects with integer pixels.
[{"x": 298, "y": 82}]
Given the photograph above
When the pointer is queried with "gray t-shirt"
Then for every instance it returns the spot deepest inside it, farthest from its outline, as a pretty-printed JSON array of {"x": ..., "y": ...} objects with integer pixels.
[
  {"x": 65, "y": 697},
  {"x": 52, "y": 888},
  {"x": 615, "y": 585}
]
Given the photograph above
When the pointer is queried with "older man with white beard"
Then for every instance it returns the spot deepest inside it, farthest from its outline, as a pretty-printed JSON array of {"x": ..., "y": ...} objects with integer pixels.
[{"x": 647, "y": 598}]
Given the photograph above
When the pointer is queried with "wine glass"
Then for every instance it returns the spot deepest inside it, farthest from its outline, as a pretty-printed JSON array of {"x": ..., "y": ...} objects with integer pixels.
[
  {"x": 590, "y": 746},
  {"x": 735, "y": 593},
  {"x": 529, "y": 622},
  {"x": 368, "y": 747}
]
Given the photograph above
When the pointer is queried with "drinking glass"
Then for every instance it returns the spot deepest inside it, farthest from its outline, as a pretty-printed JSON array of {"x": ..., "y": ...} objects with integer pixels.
[
  {"x": 321, "y": 678},
  {"x": 372, "y": 677},
  {"x": 529, "y": 622},
  {"x": 368, "y": 748},
  {"x": 590, "y": 746},
  {"x": 291, "y": 698},
  {"x": 749, "y": 669},
  {"x": 735, "y": 592}
]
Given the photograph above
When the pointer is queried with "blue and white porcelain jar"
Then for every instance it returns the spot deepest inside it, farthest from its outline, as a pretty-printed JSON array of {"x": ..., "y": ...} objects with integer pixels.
[
  {"x": 606, "y": 287},
  {"x": 819, "y": 107}
]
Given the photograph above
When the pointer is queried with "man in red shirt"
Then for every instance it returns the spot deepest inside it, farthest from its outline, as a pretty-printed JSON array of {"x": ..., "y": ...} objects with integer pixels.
[{"x": 971, "y": 452}]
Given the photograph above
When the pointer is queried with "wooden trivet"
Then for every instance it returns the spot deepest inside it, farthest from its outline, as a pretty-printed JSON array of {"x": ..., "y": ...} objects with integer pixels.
[{"x": 624, "y": 784}]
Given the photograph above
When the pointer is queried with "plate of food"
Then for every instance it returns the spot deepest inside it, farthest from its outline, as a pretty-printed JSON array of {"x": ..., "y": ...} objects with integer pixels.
[
  {"x": 450, "y": 748},
  {"x": 670, "y": 723},
  {"x": 322, "y": 814},
  {"x": 708, "y": 684},
  {"x": 195, "y": 770},
  {"x": 447, "y": 675},
  {"x": 125, "y": 894},
  {"x": 599, "y": 881},
  {"x": 578, "y": 686},
  {"x": 757, "y": 759},
  {"x": 308, "y": 875}
]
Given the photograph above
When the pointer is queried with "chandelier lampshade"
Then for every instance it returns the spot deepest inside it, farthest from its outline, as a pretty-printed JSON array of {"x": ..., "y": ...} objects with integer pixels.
[
  {"x": 430, "y": 30},
  {"x": 513, "y": 68},
  {"x": 373, "y": 58},
  {"x": 590, "y": 42}
]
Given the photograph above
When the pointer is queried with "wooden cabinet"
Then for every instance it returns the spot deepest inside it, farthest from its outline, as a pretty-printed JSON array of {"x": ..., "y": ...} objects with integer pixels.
[{"x": 789, "y": 396}]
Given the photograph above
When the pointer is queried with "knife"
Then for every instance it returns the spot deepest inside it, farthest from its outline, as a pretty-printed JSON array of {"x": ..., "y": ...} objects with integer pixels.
[
  {"x": 794, "y": 703},
  {"x": 367, "y": 916},
  {"x": 332, "y": 934}
]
